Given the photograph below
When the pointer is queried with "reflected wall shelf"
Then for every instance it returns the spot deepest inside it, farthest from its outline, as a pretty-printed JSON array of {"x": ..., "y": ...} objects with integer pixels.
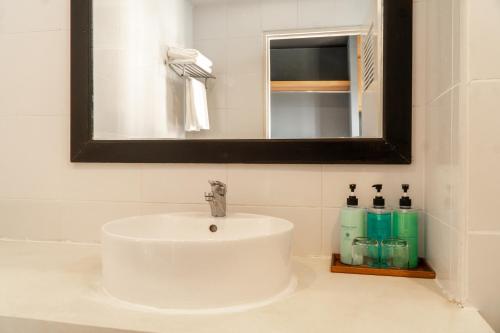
[
  {"x": 311, "y": 86},
  {"x": 191, "y": 70}
]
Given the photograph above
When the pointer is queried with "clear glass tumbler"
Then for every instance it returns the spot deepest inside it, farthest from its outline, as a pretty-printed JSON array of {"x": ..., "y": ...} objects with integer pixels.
[
  {"x": 365, "y": 252},
  {"x": 394, "y": 254}
]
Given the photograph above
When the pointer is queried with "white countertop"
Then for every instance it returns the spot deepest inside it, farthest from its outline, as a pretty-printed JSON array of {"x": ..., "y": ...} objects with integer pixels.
[{"x": 60, "y": 282}]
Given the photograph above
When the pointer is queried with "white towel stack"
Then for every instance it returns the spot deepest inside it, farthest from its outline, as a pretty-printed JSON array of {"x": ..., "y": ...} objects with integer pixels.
[
  {"x": 196, "y": 106},
  {"x": 189, "y": 56},
  {"x": 196, "y": 95}
]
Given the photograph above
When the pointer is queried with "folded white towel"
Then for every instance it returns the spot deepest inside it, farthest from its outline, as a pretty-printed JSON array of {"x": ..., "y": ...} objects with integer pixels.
[
  {"x": 189, "y": 56},
  {"x": 196, "y": 106}
]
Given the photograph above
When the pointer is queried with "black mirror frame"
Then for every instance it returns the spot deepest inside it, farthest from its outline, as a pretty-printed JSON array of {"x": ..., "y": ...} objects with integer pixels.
[{"x": 394, "y": 148}]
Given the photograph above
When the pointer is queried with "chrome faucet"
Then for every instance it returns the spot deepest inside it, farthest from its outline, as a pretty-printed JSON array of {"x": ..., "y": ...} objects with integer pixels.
[{"x": 217, "y": 198}]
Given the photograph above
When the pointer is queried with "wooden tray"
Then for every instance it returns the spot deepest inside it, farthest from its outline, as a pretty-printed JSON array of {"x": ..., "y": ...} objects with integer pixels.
[{"x": 423, "y": 271}]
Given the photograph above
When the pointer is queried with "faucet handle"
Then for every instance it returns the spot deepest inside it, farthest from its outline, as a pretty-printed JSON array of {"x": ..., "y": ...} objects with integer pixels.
[
  {"x": 216, "y": 183},
  {"x": 209, "y": 196},
  {"x": 218, "y": 186}
]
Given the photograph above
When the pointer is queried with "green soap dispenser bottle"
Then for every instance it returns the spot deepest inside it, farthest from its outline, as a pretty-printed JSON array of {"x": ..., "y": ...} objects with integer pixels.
[
  {"x": 406, "y": 226},
  {"x": 352, "y": 225},
  {"x": 379, "y": 218}
]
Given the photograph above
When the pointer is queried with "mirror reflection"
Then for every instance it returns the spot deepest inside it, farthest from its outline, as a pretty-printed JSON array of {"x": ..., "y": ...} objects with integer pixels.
[{"x": 237, "y": 69}]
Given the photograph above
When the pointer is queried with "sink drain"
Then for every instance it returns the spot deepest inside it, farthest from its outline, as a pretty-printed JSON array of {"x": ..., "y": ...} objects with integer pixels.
[{"x": 213, "y": 228}]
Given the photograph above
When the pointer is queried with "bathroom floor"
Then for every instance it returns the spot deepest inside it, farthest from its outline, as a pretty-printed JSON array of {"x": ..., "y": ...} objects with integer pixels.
[{"x": 59, "y": 283}]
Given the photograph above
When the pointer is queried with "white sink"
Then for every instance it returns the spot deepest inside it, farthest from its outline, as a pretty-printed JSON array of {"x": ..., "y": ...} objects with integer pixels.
[{"x": 175, "y": 262}]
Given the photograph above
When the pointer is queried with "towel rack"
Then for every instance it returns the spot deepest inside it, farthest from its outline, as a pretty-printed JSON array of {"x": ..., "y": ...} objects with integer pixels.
[{"x": 191, "y": 70}]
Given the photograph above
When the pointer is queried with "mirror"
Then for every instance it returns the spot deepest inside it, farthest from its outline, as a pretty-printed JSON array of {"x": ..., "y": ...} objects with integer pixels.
[
  {"x": 237, "y": 69},
  {"x": 241, "y": 81}
]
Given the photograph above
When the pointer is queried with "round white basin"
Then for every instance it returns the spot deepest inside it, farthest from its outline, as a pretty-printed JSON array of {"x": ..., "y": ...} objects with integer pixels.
[{"x": 176, "y": 262}]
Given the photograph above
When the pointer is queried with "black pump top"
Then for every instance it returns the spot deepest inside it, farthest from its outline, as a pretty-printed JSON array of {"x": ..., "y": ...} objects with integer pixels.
[
  {"x": 352, "y": 201},
  {"x": 378, "y": 201},
  {"x": 405, "y": 201}
]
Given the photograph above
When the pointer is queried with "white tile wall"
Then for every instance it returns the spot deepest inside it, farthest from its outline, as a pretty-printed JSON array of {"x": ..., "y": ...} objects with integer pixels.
[
  {"x": 210, "y": 21},
  {"x": 32, "y": 152},
  {"x": 483, "y": 274},
  {"x": 483, "y": 155},
  {"x": 439, "y": 47},
  {"x": 93, "y": 182},
  {"x": 307, "y": 221},
  {"x": 443, "y": 165},
  {"x": 462, "y": 150},
  {"x": 280, "y": 14},
  {"x": 34, "y": 15},
  {"x": 244, "y": 19},
  {"x": 483, "y": 29},
  {"x": 89, "y": 216},
  {"x": 275, "y": 185},
  {"x": 439, "y": 248},
  {"x": 316, "y": 13},
  {"x": 354, "y": 12},
  {"x": 438, "y": 158},
  {"x": 130, "y": 43},
  {"x": 30, "y": 219},
  {"x": 36, "y": 53},
  {"x": 178, "y": 183},
  {"x": 43, "y": 196}
]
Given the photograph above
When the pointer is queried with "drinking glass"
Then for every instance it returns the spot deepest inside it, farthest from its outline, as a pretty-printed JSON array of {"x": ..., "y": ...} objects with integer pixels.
[
  {"x": 365, "y": 252},
  {"x": 394, "y": 254}
]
